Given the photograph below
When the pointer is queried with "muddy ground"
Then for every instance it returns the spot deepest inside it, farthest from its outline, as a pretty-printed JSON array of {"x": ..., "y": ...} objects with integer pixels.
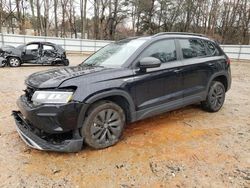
[{"x": 184, "y": 148}]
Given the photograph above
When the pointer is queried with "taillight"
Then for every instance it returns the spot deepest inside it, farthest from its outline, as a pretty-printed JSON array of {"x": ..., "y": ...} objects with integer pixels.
[{"x": 228, "y": 61}]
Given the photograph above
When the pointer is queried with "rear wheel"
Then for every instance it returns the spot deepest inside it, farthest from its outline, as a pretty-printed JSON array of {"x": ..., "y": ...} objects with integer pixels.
[
  {"x": 103, "y": 125},
  {"x": 215, "y": 98},
  {"x": 14, "y": 62}
]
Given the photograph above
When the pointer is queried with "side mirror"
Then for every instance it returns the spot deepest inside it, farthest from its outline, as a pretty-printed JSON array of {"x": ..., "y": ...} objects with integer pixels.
[{"x": 149, "y": 62}]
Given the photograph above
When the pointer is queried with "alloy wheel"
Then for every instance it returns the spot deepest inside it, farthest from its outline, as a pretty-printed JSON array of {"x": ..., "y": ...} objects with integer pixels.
[
  {"x": 14, "y": 62},
  {"x": 217, "y": 96},
  {"x": 106, "y": 126}
]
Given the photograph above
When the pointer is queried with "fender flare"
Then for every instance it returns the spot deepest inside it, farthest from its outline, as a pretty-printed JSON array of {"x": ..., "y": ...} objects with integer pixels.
[
  {"x": 214, "y": 76},
  {"x": 100, "y": 95}
]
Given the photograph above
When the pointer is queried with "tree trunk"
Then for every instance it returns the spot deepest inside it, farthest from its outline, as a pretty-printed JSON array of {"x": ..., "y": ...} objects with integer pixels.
[
  {"x": 113, "y": 21},
  {"x": 55, "y": 17},
  {"x": 96, "y": 19},
  {"x": 33, "y": 15},
  {"x": 19, "y": 16},
  {"x": 46, "y": 17},
  {"x": 38, "y": 17},
  {"x": 1, "y": 12}
]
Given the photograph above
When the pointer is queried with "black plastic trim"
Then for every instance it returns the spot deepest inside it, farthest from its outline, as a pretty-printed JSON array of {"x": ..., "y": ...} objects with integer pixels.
[{"x": 30, "y": 138}]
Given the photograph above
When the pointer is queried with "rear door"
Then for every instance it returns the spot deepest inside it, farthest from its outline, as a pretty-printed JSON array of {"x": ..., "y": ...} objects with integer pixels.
[
  {"x": 48, "y": 50},
  {"x": 198, "y": 66},
  {"x": 161, "y": 85}
]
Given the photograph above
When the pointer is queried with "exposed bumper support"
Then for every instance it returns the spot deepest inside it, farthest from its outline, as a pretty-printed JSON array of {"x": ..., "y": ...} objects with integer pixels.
[{"x": 33, "y": 140}]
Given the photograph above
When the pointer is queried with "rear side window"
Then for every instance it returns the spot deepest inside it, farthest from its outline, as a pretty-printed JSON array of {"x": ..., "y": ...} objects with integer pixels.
[
  {"x": 211, "y": 49},
  {"x": 192, "y": 48},
  {"x": 163, "y": 50}
]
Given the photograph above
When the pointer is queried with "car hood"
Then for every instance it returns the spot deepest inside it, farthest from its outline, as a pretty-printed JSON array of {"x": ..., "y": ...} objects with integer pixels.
[
  {"x": 7, "y": 48},
  {"x": 54, "y": 77}
]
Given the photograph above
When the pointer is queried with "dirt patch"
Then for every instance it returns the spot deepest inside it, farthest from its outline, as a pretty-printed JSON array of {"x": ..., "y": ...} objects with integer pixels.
[{"x": 184, "y": 148}]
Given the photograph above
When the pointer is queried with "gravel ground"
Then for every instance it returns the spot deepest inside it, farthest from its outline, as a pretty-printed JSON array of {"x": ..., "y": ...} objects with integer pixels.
[{"x": 183, "y": 148}]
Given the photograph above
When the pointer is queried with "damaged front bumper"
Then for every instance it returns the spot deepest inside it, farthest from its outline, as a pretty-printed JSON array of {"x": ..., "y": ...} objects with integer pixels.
[
  {"x": 3, "y": 61},
  {"x": 38, "y": 141}
]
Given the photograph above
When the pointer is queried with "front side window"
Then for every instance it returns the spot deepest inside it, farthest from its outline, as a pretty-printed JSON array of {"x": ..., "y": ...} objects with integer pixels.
[
  {"x": 192, "y": 48},
  {"x": 32, "y": 47},
  {"x": 163, "y": 50}
]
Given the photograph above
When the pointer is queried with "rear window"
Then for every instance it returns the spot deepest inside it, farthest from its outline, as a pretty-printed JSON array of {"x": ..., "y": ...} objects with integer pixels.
[
  {"x": 211, "y": 49},
  {"x": 192, "y": 48}
]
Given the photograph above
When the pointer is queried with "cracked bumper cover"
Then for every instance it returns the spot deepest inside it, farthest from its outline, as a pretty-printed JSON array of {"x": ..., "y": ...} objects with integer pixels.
[
  {"x": 3, "y": 61},
  {"x": 33, "y": 140}
]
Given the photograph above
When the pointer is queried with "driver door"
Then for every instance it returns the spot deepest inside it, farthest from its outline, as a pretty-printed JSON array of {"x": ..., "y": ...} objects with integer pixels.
[
  {"x": 162, "y": 85},
  {"x": 31, "y": 53}
]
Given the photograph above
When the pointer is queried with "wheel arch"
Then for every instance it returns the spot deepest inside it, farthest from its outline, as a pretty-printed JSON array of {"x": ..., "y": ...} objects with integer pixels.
[
  {"x": 119, "y": 97},
  {"x": 8, "y": 57},
  {"x": 221, "y": 77}
]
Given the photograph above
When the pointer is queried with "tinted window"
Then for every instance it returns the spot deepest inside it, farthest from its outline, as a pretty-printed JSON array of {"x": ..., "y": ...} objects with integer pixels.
[
  {"x": 192, "y": 48},
  {"x": 163, "y": 50},
  {"x": 32, "y": 47},
  {"x": 211, "y": 49},
  {"x": 48, "y": 47}
]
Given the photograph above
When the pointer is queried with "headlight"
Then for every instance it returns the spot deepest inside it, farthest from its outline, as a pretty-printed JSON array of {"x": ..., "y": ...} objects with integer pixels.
[{"x": 49, "y": 97}]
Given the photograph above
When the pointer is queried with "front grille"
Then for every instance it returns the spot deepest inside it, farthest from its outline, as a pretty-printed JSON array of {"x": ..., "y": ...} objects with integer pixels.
[{"x": 29, "y": 91}]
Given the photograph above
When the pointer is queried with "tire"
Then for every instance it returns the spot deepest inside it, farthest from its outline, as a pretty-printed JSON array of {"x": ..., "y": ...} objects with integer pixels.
[
  {"x": 215, "y": 98},
  {"x": 14, "y": 62},
  {"x": 66, "y": 63},
  {"x": 103, "y": 125}
]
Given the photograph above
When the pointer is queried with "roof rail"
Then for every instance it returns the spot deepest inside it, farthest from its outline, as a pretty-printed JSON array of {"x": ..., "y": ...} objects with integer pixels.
[{"x": 178, "y": 33}]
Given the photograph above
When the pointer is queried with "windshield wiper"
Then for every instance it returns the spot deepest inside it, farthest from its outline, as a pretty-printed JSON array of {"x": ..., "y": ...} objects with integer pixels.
[{"x": 90, "y": 65}]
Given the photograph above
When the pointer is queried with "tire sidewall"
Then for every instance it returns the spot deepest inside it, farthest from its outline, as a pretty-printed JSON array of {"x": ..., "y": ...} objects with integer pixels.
[
  {"x": 86, "y": 128},
  {"x": 212, "y": 87}
]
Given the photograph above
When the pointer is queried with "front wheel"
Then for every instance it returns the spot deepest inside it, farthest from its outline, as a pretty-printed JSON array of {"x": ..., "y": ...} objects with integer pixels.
[
  {"x": 66, "y": 62},
  {"x": 215, "y": 98},
  {"x": 103, "y": 125},
  {"x": 14, "y": 62},
  {"x": 3, "y": 64}
]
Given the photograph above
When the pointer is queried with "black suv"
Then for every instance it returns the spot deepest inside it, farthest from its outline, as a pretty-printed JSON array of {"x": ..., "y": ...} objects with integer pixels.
[{"x": 125, "y": 81}]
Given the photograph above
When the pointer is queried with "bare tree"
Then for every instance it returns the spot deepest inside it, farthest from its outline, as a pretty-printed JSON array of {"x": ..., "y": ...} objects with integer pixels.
[
  {"x": 39, "y": 25},
  {"x": 1, "y": 12},
  {"x": 83, "y": 10},
  {"x": 46, "y": 17},
  {"x": 33, "y": 14},
  {"x": 55, "y": 17},
  {"x": 225, "y": 20}
]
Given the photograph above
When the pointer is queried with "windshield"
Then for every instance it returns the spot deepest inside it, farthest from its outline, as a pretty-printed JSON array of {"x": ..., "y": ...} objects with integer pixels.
[{"x": 114, "y": 54}]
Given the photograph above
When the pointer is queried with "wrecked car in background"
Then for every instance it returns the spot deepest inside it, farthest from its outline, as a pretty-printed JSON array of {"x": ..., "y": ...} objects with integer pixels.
[{"x": 44, "y": 53}]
